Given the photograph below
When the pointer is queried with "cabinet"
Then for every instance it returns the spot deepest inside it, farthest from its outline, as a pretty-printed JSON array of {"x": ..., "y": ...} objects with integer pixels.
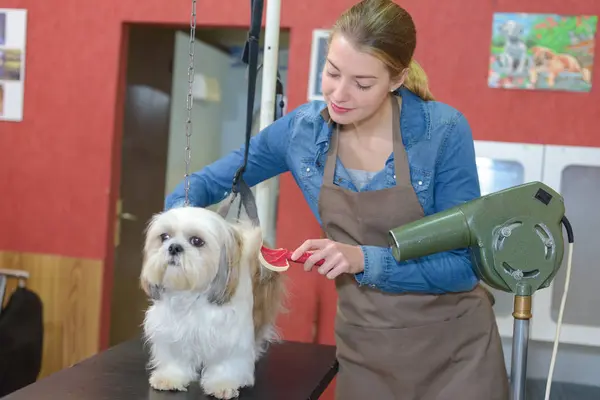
[{"x": 574, "y": 172}]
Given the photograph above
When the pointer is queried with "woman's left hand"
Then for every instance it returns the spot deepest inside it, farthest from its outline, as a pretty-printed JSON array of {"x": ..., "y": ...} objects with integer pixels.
[{"x": 339, "y": 258}]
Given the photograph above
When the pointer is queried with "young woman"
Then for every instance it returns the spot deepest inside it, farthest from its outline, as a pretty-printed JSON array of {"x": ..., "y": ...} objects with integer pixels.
[{"x": 377, "y": 154}]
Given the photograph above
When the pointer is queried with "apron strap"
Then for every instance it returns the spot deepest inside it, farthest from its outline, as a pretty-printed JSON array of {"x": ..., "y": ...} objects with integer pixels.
[{"x": 331, "y": 162}]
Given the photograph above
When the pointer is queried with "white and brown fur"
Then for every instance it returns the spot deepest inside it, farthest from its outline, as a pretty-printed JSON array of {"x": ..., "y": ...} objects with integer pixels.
[
  {"x": 547, "y": 61},
  {"x": 214, "y": 306}
]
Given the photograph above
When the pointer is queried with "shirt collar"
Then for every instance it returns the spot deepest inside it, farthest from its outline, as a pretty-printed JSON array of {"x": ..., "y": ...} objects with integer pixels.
[{"x": 414, "y": 119}]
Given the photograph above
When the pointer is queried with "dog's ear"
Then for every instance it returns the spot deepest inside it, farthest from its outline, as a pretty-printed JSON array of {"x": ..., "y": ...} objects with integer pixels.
[
  {"x": 152, "y": 290},
  {"x": 223, "y": 209},
  {"x": 226, "y": 281}
]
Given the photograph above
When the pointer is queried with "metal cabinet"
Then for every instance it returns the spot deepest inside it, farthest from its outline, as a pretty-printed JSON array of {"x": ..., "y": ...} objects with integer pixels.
[{"x": 575, "y": 173}]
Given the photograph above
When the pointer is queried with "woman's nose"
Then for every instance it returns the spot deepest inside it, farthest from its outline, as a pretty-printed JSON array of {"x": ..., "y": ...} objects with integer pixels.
[{"x": 340, "y": 94}]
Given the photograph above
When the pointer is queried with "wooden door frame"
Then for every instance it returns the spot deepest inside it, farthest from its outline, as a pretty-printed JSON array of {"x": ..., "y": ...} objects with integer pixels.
[{"x": 114, "y": 192}]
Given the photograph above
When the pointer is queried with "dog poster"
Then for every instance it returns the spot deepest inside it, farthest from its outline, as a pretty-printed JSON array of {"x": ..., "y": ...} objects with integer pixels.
[
  {"x": 12, "y": 63},
  {"x": 542, "y": 52}
]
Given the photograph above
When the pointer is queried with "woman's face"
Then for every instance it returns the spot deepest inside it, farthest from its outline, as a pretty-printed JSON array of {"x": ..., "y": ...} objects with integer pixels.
[{"x": 354, "y": 83}]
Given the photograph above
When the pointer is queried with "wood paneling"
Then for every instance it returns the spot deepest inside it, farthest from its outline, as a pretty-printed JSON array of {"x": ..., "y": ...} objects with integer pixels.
[{"x": 70, "y": 290}]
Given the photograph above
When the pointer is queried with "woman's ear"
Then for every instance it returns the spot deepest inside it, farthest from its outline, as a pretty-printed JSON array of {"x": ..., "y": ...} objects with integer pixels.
[{"x": 396, "y": 83}]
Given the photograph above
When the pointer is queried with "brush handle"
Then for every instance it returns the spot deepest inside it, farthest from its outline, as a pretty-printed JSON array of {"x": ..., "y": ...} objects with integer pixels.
[{"x": 302, "y": 259}]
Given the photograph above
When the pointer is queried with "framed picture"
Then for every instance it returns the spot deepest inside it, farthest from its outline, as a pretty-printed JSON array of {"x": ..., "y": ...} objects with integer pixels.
[
  {"x": 317, "y": 62},
  {"x": 12, "y": 63},
  {"x": 542, "y": 52}
]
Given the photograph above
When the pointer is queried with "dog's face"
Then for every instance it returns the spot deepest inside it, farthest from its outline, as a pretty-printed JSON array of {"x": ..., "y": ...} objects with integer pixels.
[
  {"x": 541, "y": 56},
  {"x": 512, "y": 30},
  {"x": 188, "y": 249}
]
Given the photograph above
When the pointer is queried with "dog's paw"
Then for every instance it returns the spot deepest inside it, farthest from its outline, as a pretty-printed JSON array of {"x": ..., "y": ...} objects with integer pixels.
[
  {"x": 166, "y": 382},
  {"x": 222, "y": 390}
]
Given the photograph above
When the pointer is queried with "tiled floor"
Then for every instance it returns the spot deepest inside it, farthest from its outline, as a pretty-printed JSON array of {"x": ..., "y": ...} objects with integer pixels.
[{"x": 536, "y": 389}]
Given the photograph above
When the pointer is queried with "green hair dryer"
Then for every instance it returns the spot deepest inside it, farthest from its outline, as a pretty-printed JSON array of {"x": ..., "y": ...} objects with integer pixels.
[{"x": 516, "y": 240}]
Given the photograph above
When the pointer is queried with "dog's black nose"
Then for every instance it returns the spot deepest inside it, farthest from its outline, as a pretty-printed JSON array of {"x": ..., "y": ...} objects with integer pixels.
[{"x": 175, "y": 248}]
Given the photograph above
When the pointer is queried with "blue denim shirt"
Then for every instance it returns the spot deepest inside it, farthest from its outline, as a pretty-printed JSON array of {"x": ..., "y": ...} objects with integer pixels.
[{"x": 441, "y": 158}]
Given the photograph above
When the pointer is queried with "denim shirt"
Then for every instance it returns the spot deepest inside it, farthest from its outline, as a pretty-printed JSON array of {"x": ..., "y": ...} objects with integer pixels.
[{"x": 443, "y": 171}]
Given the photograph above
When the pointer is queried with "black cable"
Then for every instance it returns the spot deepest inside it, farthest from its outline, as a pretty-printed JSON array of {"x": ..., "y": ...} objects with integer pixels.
[
  {"x": 569, "y": 228},
  {"x": 250, "y": 56}
]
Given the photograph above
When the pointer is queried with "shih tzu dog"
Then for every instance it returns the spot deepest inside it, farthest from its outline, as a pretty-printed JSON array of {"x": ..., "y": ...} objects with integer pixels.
[{"x": 213, "y": 305}]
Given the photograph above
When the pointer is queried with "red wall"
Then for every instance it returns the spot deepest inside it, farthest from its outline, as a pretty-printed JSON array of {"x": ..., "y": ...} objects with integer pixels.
[{"x": 57, "y": 165}]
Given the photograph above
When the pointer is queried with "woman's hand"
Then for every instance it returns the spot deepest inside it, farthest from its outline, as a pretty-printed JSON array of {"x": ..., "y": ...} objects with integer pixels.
[{"x": 339, "y": 258}]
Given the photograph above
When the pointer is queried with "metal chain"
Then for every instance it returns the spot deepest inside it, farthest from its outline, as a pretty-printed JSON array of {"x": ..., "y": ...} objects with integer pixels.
[{"x": 190, "y": 101}]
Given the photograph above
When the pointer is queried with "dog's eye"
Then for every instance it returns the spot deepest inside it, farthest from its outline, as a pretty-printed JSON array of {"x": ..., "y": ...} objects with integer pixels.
[
  {"x": 164, "y": 237},
  {"x": 196, "y": 241}
]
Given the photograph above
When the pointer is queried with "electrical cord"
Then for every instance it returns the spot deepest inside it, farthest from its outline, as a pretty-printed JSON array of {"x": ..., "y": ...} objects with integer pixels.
[{"x": 571, "y": 240}]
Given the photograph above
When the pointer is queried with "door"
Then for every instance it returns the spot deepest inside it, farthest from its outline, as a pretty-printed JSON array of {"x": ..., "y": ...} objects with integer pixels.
[
  {"x": 502, "y": 165},
  {"x": 143, "y": 170},
  {"x": 574, "y": 172}
]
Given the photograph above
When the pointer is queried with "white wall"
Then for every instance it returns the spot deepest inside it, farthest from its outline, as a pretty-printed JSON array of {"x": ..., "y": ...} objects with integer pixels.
[
  {"x": 235, "y": 89},
  {"x": 219, "y": 127},
  {"x": 206, "y": 117}
]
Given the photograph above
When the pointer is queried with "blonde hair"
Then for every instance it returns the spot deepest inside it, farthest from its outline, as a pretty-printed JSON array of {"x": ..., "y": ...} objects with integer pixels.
[{"x": 385, "y": 30}]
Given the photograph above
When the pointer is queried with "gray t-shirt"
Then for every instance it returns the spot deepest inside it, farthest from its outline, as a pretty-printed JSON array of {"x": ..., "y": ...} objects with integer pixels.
[{"x": 360, "y": 178}]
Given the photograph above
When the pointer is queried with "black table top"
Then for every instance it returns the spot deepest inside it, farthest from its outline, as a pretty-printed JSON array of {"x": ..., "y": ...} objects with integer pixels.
[{"x": 288, "y": 371}]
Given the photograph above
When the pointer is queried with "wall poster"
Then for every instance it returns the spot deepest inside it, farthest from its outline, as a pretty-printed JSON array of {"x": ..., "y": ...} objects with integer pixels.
[
  {"x": 317, "y": 63},
  {"x": 542, "y": 52},
  {"x": 13, "y": 24}
]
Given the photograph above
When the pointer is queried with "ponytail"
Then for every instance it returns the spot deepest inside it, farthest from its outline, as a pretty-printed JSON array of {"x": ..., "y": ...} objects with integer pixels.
[{"x": 416, "y": 81}]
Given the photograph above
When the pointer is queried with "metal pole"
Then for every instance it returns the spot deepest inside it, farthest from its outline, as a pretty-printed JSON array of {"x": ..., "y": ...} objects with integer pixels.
[
  {"x": 518, "y": 372},
  {"x": 265, "y": 191},
  {"x": 518, "y": 369}
]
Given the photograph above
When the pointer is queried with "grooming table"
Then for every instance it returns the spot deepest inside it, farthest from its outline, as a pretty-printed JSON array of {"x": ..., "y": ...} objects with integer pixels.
[{"x": 288, "y": 371}]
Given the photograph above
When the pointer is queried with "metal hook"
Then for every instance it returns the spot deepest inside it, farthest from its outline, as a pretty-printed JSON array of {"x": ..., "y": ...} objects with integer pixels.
[{"x": 21, "y": 275}]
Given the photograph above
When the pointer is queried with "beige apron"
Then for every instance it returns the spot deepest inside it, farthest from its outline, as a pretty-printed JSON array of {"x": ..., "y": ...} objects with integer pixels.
[{"x": 409, "y": 346}]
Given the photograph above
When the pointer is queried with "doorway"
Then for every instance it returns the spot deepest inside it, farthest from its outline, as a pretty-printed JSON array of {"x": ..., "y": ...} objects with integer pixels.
[
  {"x": 153, "y": 141},
  {"x": 143, "y": 165}
]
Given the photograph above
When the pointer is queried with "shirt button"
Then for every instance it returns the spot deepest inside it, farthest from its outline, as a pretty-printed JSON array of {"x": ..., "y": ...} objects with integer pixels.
[
  {"x": 394, "y": 176},
  {"x": 420, "y": 183},
  {"x": 307, "y": 169}
]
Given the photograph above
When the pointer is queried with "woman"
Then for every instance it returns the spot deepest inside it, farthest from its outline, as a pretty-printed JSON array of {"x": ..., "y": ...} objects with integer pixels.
[{"x": 377, "y": 154}]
